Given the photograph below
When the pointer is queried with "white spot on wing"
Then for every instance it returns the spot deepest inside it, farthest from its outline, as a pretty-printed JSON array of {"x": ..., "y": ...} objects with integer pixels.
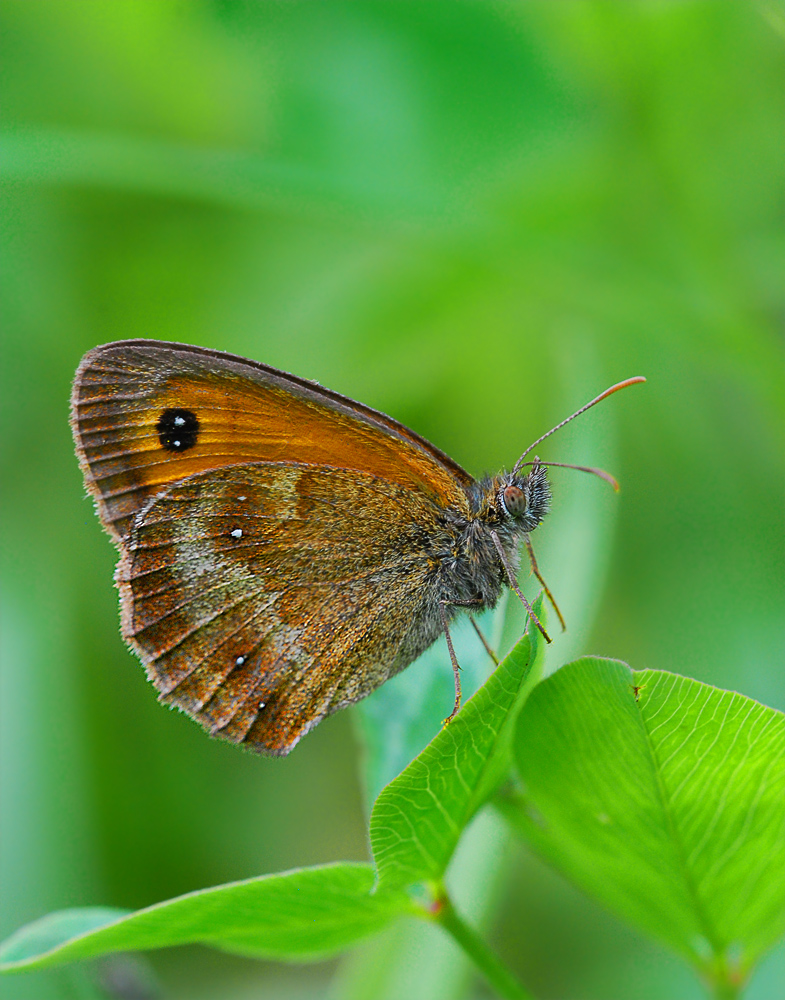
[{"x": 237, "y": 533}]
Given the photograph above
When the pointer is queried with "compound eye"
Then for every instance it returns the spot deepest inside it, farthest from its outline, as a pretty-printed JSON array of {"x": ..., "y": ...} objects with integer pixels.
[{"x": 514, "y": 500}]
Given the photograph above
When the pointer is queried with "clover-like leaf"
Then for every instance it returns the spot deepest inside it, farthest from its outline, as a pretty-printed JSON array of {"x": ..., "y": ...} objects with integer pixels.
[
  {"x": 665, "y": 799},
  {"x": 304, "y": 914},
  {"x": 401, "y": 717},
  {"x": 419, "y": 817}
]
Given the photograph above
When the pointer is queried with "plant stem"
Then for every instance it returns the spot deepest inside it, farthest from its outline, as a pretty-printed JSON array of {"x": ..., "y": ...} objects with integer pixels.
[
  {"x": 497, "y": 974},
  {"x": 724, "y": 989}
]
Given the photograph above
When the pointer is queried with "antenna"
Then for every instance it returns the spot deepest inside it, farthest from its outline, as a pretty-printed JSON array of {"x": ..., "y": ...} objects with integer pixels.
[
  {"x": 583, "y": 409},
  {"x": 580, "y": 468}
]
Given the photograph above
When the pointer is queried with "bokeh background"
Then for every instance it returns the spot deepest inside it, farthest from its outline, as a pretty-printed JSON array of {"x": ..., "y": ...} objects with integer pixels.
[{"x": 473, "y": 216}]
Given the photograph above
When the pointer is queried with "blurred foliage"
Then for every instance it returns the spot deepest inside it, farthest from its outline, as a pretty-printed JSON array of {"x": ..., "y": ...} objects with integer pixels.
[{"x": 473, "y": 216}]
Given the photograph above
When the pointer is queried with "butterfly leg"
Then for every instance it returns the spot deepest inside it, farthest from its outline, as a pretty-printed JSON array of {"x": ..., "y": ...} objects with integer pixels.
[
  {"x": 536, "y": 571},
  {"x": 514, "y": 585},
  {"x": 456, "y": 667},
  {"x": 484, "y": 641}
]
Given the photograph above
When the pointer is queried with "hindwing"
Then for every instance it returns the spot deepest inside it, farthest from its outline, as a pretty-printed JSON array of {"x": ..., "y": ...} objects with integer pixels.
[{"x": 263, "y": 596}]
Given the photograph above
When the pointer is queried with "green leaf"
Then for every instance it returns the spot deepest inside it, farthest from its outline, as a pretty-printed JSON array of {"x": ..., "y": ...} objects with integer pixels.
[
  {"x": 401, "y": 717},
  {"x": 418, "y": 817},
  {"x": 303, "y": 914},
  {"x": 665, "y": 799}
]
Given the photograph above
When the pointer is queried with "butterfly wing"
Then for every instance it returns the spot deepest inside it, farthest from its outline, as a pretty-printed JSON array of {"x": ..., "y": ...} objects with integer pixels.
[
  {"x": 278, "y": 541},
  {"x": 262, "y": 597},
  {"x": 147, "y": 413}
]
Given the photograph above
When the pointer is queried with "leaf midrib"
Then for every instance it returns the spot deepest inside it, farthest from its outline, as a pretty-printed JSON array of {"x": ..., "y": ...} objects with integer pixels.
[{"x": 708, "y": 929}]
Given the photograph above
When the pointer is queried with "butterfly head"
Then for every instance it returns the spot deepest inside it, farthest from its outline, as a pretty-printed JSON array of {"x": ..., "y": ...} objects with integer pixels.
[
  {"x": 514, "y": 500},
  {"x": 523, "y": 501}
]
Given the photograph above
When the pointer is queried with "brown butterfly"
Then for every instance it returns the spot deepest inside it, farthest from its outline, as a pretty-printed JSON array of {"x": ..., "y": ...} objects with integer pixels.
[{"x": 284, "y": 550}]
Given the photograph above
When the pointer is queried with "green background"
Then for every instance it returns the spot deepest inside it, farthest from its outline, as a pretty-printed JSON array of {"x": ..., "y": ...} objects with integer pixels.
[{"x": 473, "y": 216}]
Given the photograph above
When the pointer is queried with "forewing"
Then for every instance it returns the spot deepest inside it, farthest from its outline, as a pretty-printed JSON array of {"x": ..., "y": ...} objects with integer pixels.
[
  {"x": 128, "y": 395},
  {"x": 262, "y": 597}
]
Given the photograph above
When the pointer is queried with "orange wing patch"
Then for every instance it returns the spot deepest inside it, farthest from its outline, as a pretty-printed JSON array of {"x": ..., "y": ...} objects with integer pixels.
[{"x": 128, "y": 398}]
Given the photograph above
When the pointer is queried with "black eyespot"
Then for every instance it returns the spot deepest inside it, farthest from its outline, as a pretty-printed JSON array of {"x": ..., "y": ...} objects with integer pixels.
[{"x": 178, "y": 430}]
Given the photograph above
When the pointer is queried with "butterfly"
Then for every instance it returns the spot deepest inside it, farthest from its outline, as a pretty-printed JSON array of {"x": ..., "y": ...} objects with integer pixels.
[{"x": 284, "y": 550}]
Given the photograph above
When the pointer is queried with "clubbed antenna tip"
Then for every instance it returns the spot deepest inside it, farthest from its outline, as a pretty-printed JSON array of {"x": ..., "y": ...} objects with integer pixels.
[{"x": 583, "y": 409}]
